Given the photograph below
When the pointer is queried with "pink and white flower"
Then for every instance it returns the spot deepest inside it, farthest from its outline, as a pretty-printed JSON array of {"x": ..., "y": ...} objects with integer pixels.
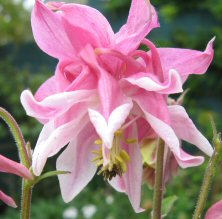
[{"x": 107, "y": 93}]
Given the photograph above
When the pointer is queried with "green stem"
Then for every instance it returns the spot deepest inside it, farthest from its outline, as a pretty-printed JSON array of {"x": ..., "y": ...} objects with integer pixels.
[
  {"x": 158, "y": 187},
  {"x": 25, "y": 159},
  {"x": 49, "y": 174},
  {"x": 26, "y": 200},
  {"x": 17, "y": 135},
  {"x": 207, "y": 181}
]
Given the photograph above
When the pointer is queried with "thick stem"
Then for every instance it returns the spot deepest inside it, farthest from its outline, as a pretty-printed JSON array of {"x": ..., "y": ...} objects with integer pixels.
[
  {"x": 26, "y": 200},
  {"x": 158, "y": 187},
  {"x": 207, "y": 181},
  {"x": 17, "y": 135}
]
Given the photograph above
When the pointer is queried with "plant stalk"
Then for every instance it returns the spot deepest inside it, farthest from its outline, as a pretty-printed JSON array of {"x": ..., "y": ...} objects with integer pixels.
[
  {"x": 17, "y": 135},
  {"x": 205, "y": 188},
  {"x": 26, "y": 200},
  {"x": 25, "y": 160},
  {"x": 158, "y": 187}
]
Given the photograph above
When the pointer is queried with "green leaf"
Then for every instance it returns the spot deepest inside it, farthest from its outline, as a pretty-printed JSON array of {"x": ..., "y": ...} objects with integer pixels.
[
  {"x": 168, "y": 204},
  {"x": 49, "y": 174}
]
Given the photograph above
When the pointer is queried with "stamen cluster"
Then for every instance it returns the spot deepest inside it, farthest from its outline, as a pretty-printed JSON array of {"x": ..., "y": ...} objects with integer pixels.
[{"x": 118, "y": 158}]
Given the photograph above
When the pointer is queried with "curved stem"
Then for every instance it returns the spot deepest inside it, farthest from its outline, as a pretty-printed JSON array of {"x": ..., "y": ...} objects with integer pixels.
[
  {"x": 158, "y": 187},
  {"x": 17, "y": 135},
  {"x": 25, "y": 159}
]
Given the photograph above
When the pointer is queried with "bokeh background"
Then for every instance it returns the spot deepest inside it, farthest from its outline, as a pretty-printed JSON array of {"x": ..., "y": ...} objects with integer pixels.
[{"x": 188, "y": 24}]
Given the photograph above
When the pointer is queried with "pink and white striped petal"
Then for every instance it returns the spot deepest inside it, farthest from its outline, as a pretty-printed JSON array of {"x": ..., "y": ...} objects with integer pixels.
[
  {"x": 185, "y": 129},
  {"x": 106, "y": 129},
  {"x": 171, "y": 85},
  {"x": 77, "y": 159},
  {"x": 54, "y": 105},
  {"x": 52, "y": 139}
]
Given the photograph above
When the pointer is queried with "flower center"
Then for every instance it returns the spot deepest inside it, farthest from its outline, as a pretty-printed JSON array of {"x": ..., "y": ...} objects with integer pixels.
[{"x": 117, "y": 158}]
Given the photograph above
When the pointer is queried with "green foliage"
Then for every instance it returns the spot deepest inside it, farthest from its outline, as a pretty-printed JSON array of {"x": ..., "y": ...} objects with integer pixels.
[
  {"x": 14, "y": 22},
  {"x": 169, "y": 12},
  {"x": 168, "y": 203},
  {"x": 12, "y": 82},
  {"x": 117, "y": 6}
]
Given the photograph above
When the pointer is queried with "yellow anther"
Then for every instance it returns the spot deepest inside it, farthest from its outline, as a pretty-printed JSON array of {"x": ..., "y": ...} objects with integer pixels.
[
  {"x": 131, "y": 141},
  {"x": 118, "y": 132},
  {"x": 123, "y": 166},
  {"x": 99, "y": 163},
  {"x": 98, "y": 142},
  {"x": 119, "y": 159},
  {"x": 110, "y": 166},
  {"x": 97, "y": 152},
  {"x": 96, "y": 158},
  {"x": 116, "y": 158},
  {"x": 125, "y": 156}
]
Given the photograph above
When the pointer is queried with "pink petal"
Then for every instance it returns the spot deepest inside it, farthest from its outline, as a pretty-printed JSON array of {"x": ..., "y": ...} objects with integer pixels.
[
  {"x": 186, "y": 160},
  {"x": 86, "y": 25},
  {"x": 186, "y": 130},
  {"x": 52, "y": 139},
  {"x": 145, "y": 130},
  {"x": 118, "y": 64},
  {"x": 48, "y": 88},
  {"x": 106, "y": 129},
  {"x": 49, "y": 32},
  {"x": 90, "y": 19},
  {"x": 77, "y": 159},
  {"x": 54, "y": 105},
  {"x": 170, "y": 165},
  {"x": 155, "y": 64},
  {"x": 153, "y": 103},
  {"x": 131, "y": 181},
  {"x": 172, "y": 84},
  {"x": 142, "y": 19},
  {"x": 80, "y": 37},
  {"x": 166, "y": 133},
  {"x": 111, "y": 96},
  {"x": 7, "y": 200},
  {"x": 10, "y": 166},
  {"x": 215, "y": 211},
  {"x": 160, "y": 124},
  {"x": 74, "y": 75},
  {"x": 186, "y": 61}
]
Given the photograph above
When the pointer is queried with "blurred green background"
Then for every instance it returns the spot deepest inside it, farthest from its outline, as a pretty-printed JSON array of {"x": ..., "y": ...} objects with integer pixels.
[{"x": 188, "y": 24}]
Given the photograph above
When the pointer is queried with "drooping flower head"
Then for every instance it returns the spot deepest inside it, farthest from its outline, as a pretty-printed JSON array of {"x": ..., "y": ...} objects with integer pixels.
[{"x": 107, "y": 96}]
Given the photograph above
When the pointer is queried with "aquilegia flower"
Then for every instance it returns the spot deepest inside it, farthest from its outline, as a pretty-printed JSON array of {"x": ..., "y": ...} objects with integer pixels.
[
  {"x": 10, "y": 166},
  {"x": 107, "y": 96}
]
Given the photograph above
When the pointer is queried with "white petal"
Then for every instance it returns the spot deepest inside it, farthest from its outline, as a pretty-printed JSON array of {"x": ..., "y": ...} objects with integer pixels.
[
  {"x": 51, "y": 142},
  {"x": 77, "y": 159}
]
